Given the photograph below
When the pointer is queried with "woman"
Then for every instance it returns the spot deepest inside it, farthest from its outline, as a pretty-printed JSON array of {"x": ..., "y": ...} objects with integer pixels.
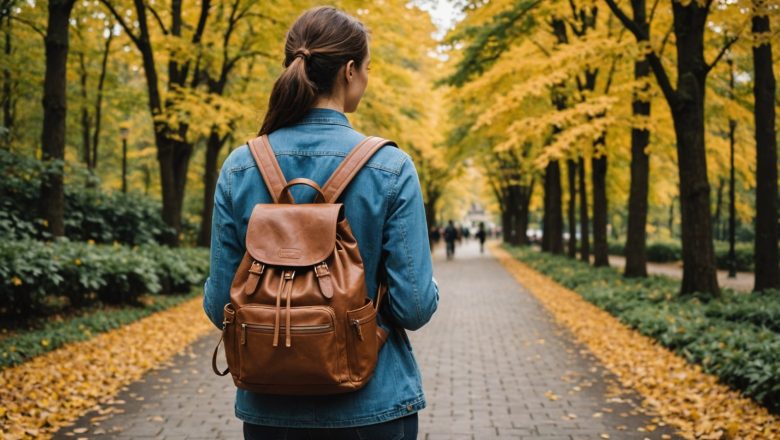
[{"x": 326, "y": 60}]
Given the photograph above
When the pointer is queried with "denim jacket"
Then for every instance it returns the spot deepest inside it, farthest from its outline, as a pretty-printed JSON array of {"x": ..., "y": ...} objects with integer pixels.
[{"x": 384, "y": 207}]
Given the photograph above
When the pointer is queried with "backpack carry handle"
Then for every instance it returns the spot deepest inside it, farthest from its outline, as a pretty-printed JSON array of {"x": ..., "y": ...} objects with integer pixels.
[{"x": 286, "y": 197}]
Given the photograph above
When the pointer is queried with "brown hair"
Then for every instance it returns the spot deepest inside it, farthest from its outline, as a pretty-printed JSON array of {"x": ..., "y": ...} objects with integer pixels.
[{"x": 319, "y": 42}]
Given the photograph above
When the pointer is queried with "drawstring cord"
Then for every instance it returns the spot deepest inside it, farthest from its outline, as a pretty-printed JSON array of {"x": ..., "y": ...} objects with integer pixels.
[
  {"x": 285, "y": 284},
  {"x": 278, "y": 310}
]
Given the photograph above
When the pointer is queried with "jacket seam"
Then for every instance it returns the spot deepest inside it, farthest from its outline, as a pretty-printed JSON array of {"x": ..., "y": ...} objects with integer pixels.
[
  {"x": 368, "y": 165},
  {"x": 322, "y": 122}
]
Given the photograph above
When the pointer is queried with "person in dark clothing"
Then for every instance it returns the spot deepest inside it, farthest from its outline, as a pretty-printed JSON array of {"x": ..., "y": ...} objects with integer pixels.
[
  {"x": 450, "y": 235},
  {"x": 481, "y": 235},
  {"x": 434, "y": 236}
]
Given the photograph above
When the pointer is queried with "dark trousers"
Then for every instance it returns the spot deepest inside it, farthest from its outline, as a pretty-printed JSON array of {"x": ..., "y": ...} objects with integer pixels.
[{"x": 404, "y": 428}]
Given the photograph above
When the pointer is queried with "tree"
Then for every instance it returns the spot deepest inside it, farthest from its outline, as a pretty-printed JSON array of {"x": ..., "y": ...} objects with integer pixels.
[
  {"x": 174, "y": 150},
  {"x": 52, "y": 201},
  {"x": 636, "y": 238},
  {"x": 686, "y": 103},
  {"x": 766, "y": 260}
]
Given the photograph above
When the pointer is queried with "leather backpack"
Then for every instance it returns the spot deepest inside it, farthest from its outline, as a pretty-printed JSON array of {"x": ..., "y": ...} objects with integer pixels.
[{"x": 299, "y": 321}]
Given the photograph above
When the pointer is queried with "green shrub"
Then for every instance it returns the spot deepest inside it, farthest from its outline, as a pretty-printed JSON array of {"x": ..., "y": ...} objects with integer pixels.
[
  {"x": 667, "y": 251},
  {"x": 90, "y": 214},
  {"x": 742, "y": 251},
  {"x": 664, "y": 251},
  {"x": 736, "y": 336},
  {"x": 33, "y": 272}
]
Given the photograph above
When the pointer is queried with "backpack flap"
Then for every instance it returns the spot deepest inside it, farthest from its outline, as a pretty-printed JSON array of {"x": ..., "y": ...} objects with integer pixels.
[{"x": 291, "y": 235}]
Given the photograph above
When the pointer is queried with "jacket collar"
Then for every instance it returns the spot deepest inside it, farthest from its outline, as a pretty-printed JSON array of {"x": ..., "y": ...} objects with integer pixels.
[{"x": 325, "y": 116}]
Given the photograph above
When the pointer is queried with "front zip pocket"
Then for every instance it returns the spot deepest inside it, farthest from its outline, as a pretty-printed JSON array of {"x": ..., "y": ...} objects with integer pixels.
[
  {"x": 312, "y": 357},
  {"x": 295, "y": 329}
]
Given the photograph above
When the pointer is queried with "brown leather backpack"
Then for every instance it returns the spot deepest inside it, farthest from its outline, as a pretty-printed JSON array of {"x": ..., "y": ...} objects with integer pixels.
[{"x": 299, "y": 320}]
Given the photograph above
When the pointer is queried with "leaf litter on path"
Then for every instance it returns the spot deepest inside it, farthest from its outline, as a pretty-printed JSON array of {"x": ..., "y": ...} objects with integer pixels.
[
  {"x": 682, "y": 394},
  {"x": 51, "y": 391}
]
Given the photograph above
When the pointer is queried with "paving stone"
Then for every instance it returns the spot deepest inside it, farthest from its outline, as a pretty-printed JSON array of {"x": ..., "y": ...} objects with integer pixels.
[{"x": 494, "y": 365}]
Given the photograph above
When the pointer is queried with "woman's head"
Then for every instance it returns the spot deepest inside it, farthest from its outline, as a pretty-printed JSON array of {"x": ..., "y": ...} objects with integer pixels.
[{"x": 326, "y": 59}]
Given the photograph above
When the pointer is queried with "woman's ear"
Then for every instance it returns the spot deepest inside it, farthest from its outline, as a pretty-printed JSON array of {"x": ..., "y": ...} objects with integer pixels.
[{"x": 349, "y": 71}]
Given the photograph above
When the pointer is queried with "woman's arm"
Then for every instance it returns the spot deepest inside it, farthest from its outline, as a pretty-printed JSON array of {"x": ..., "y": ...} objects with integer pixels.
[
  {"x": 413, "y": 294},
  {"x": 226, "y": 250}
]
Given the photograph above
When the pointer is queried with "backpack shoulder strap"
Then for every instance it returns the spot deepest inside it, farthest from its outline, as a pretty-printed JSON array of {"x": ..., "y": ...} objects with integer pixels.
[
  {"x": 268, "y": 166},
  {"x": 351, "y": 165}
]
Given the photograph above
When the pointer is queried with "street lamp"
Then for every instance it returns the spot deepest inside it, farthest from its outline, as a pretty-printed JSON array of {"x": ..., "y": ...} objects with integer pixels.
[{"x": 123, "y": 132}]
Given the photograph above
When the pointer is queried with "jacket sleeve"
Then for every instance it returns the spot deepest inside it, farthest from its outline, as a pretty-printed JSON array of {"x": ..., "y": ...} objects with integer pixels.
[
  {"x": 413, "y": 294},
  {"x": 226, "y": 251}
]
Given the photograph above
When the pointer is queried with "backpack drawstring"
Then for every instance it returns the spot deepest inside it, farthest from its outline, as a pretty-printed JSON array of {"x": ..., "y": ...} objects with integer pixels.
[
  {"x": 285, "y": 284},
  {"x": 278, "y": 310},
  {"x": 288, "y": 327}
]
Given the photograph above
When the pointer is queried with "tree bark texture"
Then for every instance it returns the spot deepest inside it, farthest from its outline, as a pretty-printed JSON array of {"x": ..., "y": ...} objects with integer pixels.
[
  {"x": 767, "y": 272},
  {"x": 52, "y": 201}
]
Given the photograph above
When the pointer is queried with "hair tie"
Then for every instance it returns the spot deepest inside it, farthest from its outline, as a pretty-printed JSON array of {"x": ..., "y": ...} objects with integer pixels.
[{"x": 303, "y": 53}]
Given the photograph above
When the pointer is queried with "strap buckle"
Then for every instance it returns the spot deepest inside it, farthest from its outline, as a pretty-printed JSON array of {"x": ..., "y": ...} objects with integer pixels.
[{"x": 321, "y": 270}]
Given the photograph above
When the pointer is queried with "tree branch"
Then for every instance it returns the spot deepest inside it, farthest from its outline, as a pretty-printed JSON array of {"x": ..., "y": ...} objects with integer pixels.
[
  {"x": 30, "y": 24},
  {"x": 655, "y": 61},
  {"x": 157, "y": 17},
  {"x": 122, "y": 23},
  {"x": 205, "y": 5},
  {"x": 537, "y": 44},
  {"x": 627, "y": 22},
  {"x": 730, "y": 42},
  {"x": 665, "y": 40},
  {"x": 663, "y": 79},
  {"x": 652, "y": 11}
]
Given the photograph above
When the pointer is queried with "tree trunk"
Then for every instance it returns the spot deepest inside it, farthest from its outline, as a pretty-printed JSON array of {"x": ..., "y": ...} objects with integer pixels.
[
  {"x": 52, "y": 201},
  {"x": 99, "y": 101},
  {"x": 599, "y": 176},
  {"x": 213, "y": 147},
  {"x": 686, "y": 103},
  {"x": 552, "y": 237},
  {"x": 718, "y": 210},
  {"x": 699, "y": 272},
  {"x": 8, "y": 97},
  {"x": 85, "y": 122},
  {"x": 430, "y": 210},
  {"x": 766, "y": 259},
  {"x": 572, "y": 214},
  {"x": 506, "y": 216},
  {"x": 636, "y": 237},
  {"x": 584, "y": 217},
  {"x": 521, "y": 216}
]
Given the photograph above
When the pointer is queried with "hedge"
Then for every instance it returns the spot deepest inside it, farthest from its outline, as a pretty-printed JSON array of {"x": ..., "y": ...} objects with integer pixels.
[
  {"x": 735, "y": 337},
  {"x": 35, "y": 274},
  {"x": 665, "y": 251},
  {"x": 90, "y": 214}
]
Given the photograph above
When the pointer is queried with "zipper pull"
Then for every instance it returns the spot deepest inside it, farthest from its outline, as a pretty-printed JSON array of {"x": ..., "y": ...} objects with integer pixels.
[
  {"x": 356, "y": 323},
  {"x": 243, "y": 333}
]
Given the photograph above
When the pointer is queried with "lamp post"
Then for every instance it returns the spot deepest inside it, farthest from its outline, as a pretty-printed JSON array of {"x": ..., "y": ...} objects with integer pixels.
[{"x": 123, "y": 132}]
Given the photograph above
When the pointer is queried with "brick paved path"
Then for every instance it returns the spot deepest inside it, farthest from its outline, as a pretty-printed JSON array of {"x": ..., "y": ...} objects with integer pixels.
[{"x": 493, "y": 362}]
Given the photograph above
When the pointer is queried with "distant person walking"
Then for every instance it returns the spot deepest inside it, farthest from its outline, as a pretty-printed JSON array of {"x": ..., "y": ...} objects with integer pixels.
[
  {"x": 481, "y": 235},
  {"x": 450, "y": 235}
]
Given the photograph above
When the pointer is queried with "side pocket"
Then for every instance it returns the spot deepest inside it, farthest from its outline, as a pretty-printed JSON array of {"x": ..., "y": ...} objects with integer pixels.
[
  {"x": 362, "y": 345},
  {"x": 229, "y": 333}
]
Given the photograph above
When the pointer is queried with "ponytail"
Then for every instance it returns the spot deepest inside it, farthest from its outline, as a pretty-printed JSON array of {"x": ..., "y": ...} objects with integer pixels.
[{"x": 318, "y": 44}]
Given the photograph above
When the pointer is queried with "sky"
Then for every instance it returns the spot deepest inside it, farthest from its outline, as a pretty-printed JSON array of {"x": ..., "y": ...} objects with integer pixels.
[{"x": 445, "y": 13}]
